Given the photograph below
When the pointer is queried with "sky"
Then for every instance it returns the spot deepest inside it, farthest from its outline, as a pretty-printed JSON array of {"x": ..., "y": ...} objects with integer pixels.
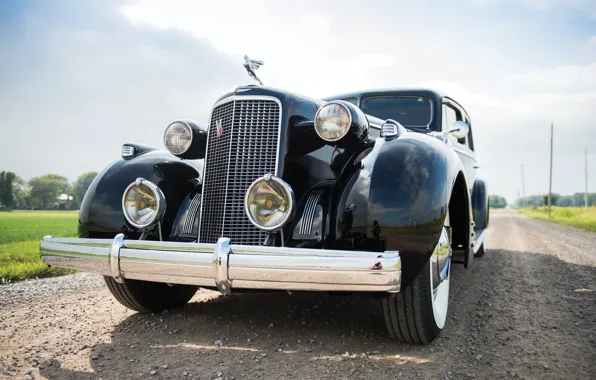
[{"x": 79, "y": 79}]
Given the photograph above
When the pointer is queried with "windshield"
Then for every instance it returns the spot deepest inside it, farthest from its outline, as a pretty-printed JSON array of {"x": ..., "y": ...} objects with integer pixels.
[{"x": 410, "y": 111}]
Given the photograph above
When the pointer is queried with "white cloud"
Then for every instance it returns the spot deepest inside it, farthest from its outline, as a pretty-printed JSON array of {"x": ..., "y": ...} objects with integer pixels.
[
  {"x": 585, "y": 7},
  {"x": 124, "y": 74},
  {"x": 569, "y": 78},
  {"x": 549, "y": 4},
  {"x": 462, "y": 93},
  {"x": 72, "y": 94},
  {"x": 482, "y": 3}
]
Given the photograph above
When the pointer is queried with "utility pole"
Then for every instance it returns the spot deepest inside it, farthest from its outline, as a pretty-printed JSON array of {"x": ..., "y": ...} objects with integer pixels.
[
  {"x": 550, "y": 182},
  {"x": 523, "y": 188},
  {"x": 586, "y": 193}
]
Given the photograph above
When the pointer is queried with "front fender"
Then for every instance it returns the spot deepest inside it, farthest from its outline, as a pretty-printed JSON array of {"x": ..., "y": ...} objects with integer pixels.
[
  {"x": 397, "y": 198},
  {"x": 101, "y": 213}
]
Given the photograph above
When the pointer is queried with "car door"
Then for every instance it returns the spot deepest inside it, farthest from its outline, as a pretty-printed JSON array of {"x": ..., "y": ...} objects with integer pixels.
[{"x": 464, "y": 147}]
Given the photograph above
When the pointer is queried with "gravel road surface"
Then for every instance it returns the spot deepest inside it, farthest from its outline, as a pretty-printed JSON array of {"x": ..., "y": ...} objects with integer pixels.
[{"x": 526, "y": 310}]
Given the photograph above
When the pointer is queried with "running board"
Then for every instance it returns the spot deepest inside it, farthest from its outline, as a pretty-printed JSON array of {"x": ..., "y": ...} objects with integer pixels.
[
  {"x": 458, "y": 255},
  {"x": 480, "y": 235}
]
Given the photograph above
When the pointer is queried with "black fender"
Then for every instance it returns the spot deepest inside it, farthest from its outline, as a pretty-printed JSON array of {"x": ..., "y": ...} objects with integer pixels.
[
  {"x": 394, "y": 195},
  {"x": 101, "y": 214},
  {"x": 480, "y": 204}
]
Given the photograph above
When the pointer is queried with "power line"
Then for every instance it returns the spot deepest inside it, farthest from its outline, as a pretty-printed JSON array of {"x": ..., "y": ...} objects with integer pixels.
[
  {"x": 523, "y": 186},
  {"x": 586, "y": 192},
  {"x": 550, "y": 182}
]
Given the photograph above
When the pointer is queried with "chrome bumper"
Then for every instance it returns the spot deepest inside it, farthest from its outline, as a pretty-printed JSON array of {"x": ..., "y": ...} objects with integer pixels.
[{"x": 227, "y": 266}]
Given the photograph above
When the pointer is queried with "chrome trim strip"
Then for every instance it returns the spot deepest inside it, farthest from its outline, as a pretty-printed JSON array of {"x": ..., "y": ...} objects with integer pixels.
[
  {"x": 191, "y": 214},
  {"x": 128, "y": 151},
  {"x": 225, "y": 101},
  {"x": 311, "y": 217},
  {"x": 306, "y": 221},
  {"x": 187, "y": 217},
  {"x": 223, "y": 224},
  {"x": 227, "y": 266},
  {"x": 170, "y": 246}
]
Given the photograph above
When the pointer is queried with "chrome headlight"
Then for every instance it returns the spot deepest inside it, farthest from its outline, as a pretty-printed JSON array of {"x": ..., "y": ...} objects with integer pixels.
[
  {"x": 143, "y": 203},
  {"x": 178, "y": 137},
  {"x": 333, "y": 121},
  {"x": 269, "y": 202}
]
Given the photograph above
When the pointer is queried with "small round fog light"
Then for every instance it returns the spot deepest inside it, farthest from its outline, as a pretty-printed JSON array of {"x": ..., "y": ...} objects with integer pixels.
[
  {"x": 143, "y": 203},
  {"x": 269, "y": 203}
]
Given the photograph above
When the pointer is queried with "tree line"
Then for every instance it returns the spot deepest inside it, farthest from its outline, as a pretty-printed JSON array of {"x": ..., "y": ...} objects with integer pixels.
[
  {"x": 46, "y": 192},
  {"x": 574, "y": 200},
  {"x": 497, "y": 201}
]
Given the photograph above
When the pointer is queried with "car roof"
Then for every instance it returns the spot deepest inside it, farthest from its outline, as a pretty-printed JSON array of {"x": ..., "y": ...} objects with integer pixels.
[{"x": 433, "y": 94}]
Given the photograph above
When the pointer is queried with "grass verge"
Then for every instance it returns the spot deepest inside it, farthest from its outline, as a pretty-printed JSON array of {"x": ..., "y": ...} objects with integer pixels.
[
  {"x": 20, "y": 233},
  {"x": 584, "y": 218}
]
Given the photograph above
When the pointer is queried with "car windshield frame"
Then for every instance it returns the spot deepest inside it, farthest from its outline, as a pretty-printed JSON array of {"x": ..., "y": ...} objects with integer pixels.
[{"x": 423, "y": 126}]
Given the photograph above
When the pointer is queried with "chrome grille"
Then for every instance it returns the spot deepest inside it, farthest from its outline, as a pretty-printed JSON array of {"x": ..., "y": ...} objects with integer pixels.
[{"x": 245, "y": 151}]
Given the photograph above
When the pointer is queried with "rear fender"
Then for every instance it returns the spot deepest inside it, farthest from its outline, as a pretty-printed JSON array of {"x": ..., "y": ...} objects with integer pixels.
[{"x": 480, "y": 204}]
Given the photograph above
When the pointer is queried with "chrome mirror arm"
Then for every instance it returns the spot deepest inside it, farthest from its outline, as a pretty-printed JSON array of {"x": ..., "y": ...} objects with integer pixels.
[{"x": 459, "y": 129}]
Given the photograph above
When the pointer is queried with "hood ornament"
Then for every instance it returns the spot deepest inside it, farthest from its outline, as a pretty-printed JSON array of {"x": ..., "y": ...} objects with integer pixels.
[{"x": 251, "y": 65}]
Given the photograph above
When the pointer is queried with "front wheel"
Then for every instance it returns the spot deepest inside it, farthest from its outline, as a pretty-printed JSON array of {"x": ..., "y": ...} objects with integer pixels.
[
  {"x": 150, "y": 297},
  {"x": 418, "y": 312}
]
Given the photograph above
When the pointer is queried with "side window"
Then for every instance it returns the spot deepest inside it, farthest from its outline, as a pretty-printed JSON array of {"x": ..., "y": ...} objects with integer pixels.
[
  {"x": 450, "y": 116},
  {"x": 469, "y": 137}
]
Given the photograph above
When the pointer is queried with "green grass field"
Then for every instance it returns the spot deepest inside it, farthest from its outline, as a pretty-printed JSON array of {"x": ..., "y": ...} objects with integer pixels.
[
  {"x": 580, "y": 217},
  {"x": 20, "y": 233}
]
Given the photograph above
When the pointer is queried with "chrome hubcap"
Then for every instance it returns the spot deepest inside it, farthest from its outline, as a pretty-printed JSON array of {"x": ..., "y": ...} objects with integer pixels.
[{"x": 439, "y": 280}]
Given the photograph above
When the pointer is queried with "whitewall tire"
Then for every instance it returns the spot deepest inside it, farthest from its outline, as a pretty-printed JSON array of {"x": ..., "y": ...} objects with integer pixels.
[{"x": 417, "y": 314}]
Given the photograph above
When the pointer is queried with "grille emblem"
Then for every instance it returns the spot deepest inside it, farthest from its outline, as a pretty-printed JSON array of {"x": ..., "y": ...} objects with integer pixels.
[{"x": 219, "y": 129}]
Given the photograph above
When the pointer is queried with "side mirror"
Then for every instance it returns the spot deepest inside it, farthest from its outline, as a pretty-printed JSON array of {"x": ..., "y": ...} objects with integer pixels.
[{"x": 459, "y": 129}]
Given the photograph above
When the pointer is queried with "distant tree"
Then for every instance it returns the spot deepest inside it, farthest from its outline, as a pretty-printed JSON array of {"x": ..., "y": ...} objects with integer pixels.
[
  {"x": 565, "y": 201},
  {"x": 80, "y": 186},
  {"x": 2, "y": 205},
  {"x": 530, "y": 201},
  {"x": 496, "y": 201},
  {"x": 20, "y": 192},
  {"x": 6, "y": 185},
  {"x": 45, "y": 189},
  {"x": 554, "y": 197}
]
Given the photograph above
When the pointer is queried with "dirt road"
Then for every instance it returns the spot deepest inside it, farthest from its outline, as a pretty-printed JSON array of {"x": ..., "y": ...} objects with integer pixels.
[{"x": 526, "y": 310}]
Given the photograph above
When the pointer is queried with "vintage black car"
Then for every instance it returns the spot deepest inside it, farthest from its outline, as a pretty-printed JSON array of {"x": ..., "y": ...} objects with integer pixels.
[{"x": 373, "y": 192}]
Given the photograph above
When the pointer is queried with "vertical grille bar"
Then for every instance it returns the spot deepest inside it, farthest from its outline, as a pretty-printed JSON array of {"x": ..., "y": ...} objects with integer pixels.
[{"x": 245, "y": 151}]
